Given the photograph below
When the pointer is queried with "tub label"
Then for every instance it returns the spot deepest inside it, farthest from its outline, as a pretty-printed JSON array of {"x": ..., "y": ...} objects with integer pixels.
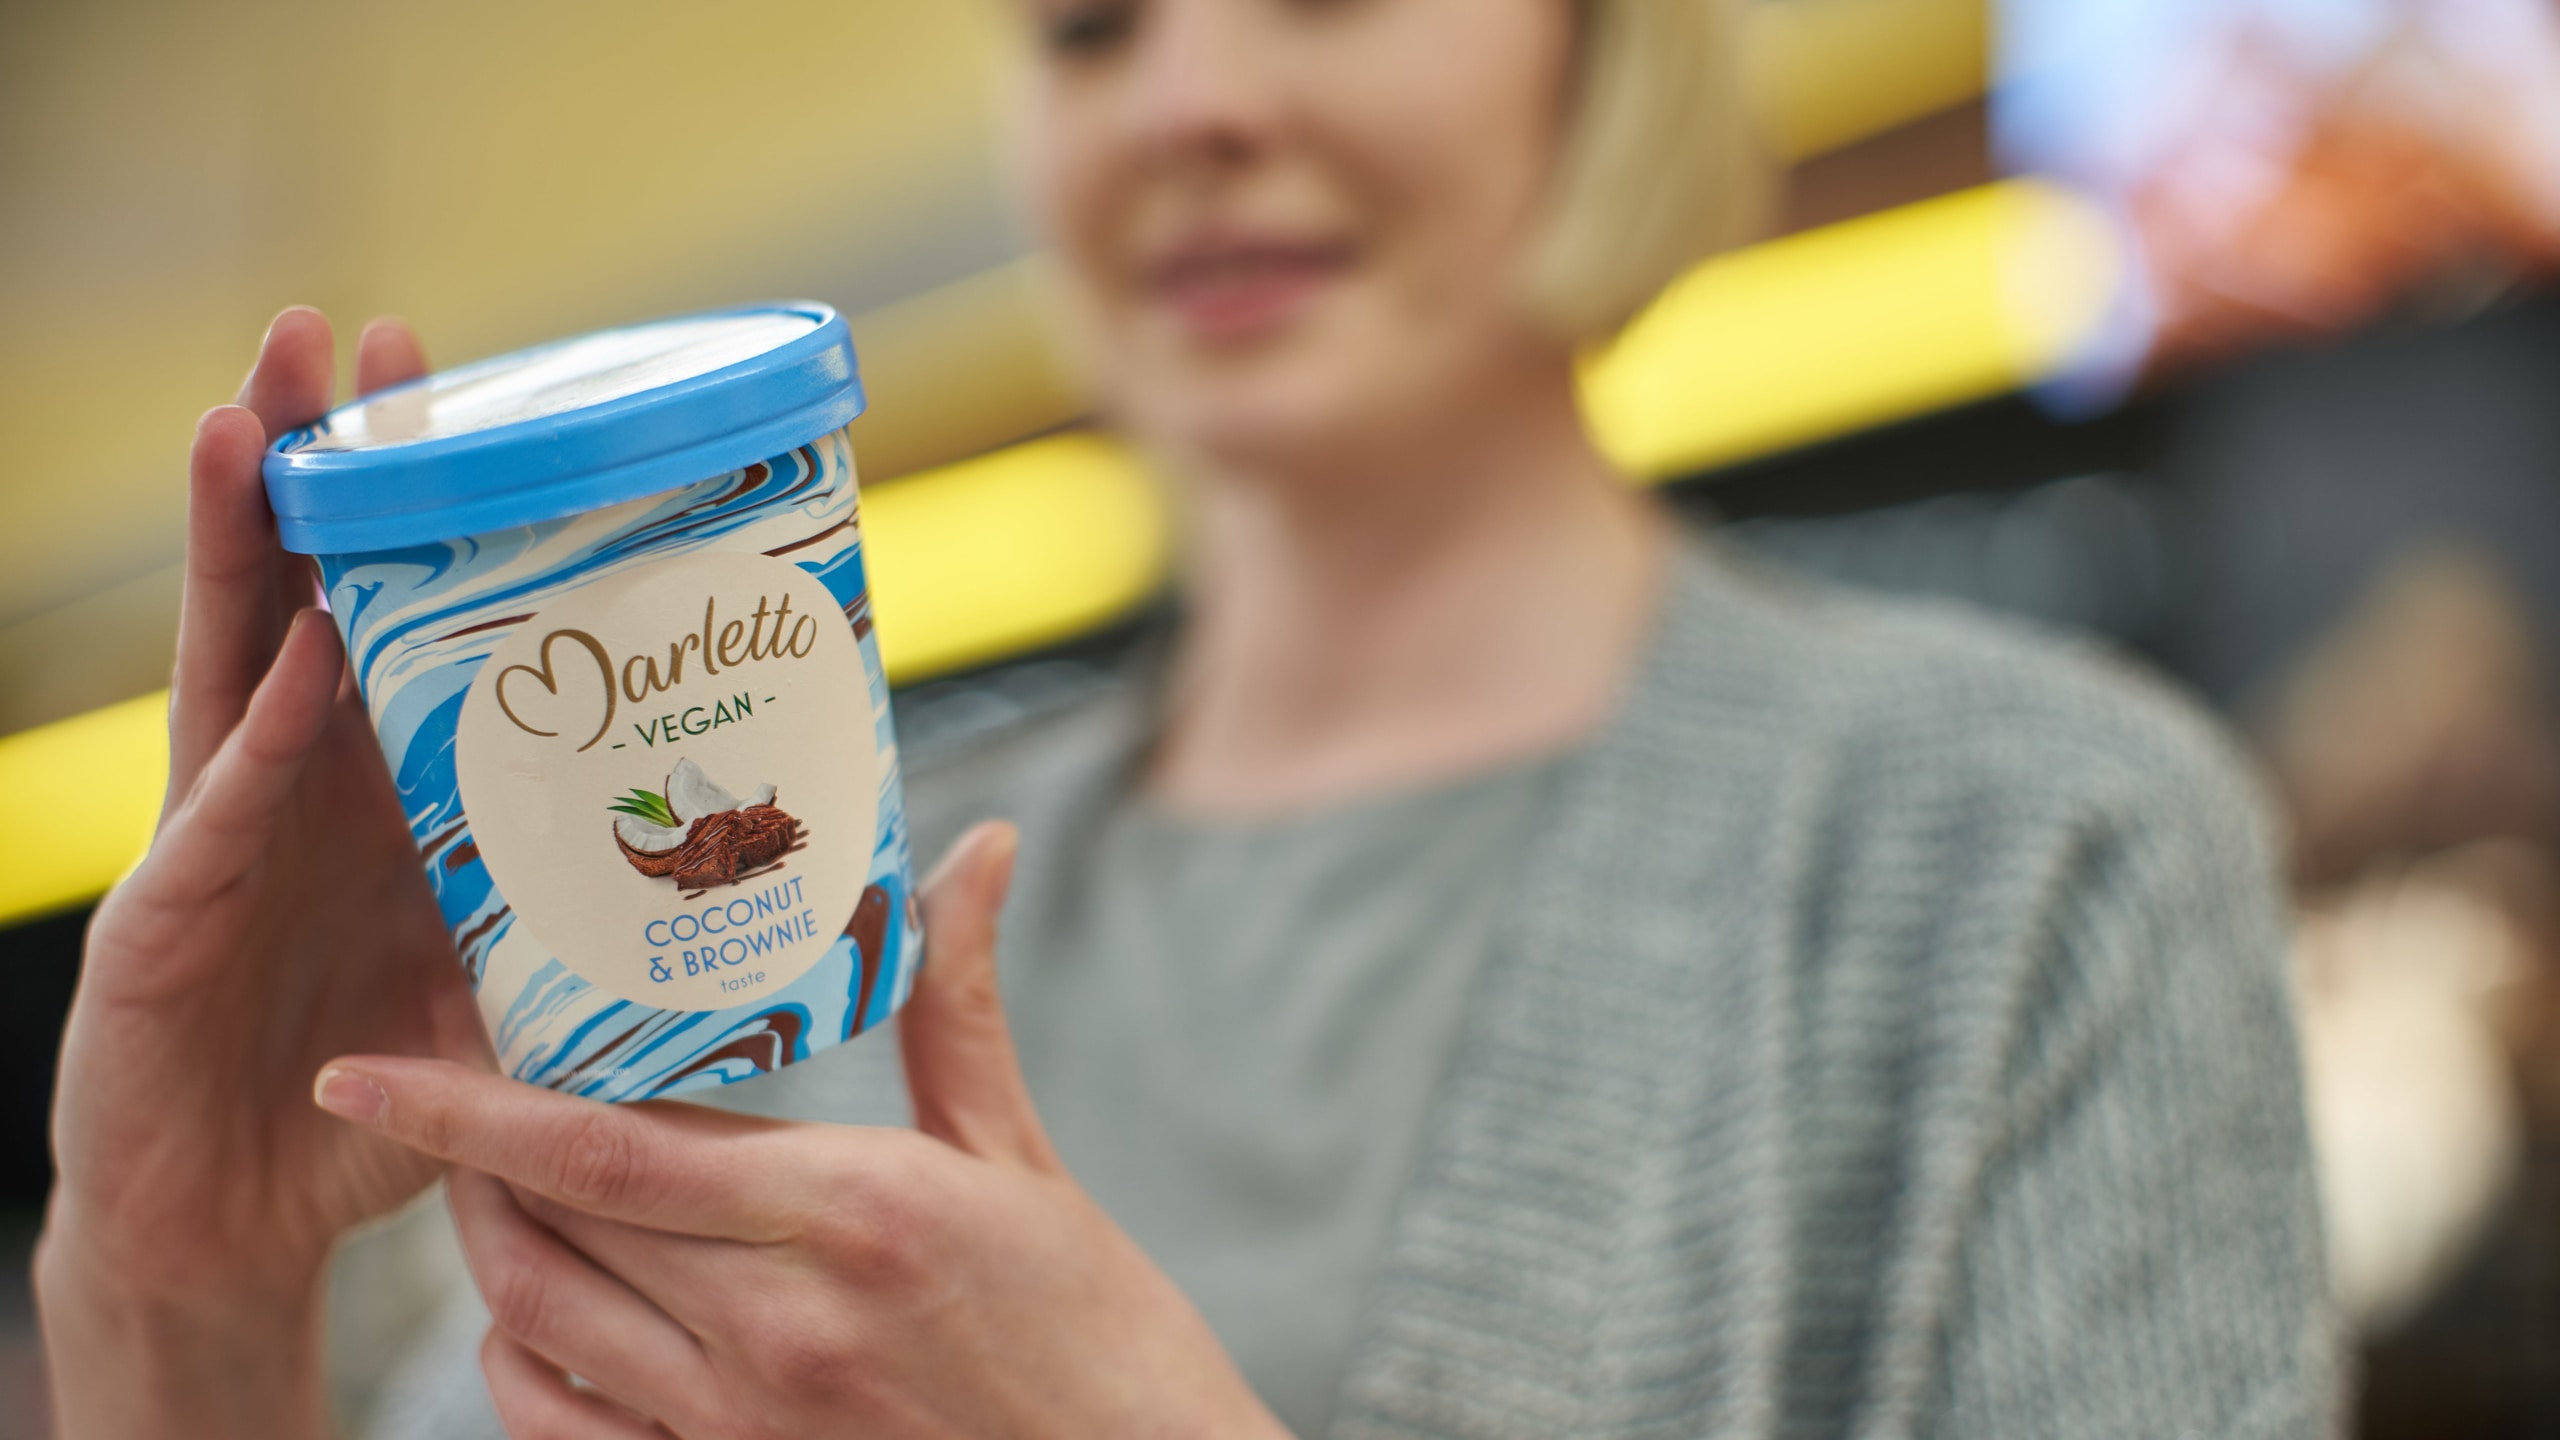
[{"x": 672, "y": 778}]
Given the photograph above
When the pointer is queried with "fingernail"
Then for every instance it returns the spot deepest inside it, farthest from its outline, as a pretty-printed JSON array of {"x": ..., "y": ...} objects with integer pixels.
[{"x": 350, "y": 1096}]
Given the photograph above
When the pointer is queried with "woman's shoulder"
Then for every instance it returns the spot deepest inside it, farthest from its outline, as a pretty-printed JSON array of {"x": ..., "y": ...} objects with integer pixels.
[
  {"x": 1935, "y": 699},
  {"x": 1988, "y": 819}
]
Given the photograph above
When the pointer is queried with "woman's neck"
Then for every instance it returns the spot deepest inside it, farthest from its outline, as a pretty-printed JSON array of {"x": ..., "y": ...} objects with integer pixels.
[{"x": 1472, "y": 598}]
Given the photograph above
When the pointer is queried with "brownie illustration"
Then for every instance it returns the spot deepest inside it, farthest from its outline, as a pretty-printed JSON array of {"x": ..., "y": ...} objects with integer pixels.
[{"x": 697, "y": 834}]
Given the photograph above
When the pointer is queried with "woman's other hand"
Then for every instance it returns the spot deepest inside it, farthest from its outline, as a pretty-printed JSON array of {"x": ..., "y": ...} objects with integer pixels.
[
  {"x": 709, "y": 1274},
  {"x": 279, "y": 919}
]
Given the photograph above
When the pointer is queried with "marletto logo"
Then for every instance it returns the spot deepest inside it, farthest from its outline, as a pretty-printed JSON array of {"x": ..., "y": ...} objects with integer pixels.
[{"x": 739, "y": 642}]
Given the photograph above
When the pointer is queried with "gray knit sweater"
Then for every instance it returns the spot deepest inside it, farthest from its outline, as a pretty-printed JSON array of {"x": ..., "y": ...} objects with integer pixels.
[{"x": 1888, "y": 1037}]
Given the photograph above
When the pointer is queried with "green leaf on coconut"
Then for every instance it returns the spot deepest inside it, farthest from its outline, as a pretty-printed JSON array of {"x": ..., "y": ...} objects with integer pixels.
[{"x": 648, "y": 805}]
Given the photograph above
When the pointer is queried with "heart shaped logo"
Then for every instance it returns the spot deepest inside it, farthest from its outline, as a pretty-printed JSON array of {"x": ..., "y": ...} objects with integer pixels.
[{"x": 549, "y": 680}]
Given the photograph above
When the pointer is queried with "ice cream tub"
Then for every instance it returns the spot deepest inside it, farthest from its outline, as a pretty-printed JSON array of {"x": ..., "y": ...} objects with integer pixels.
[{"x": 605, "y": 603}]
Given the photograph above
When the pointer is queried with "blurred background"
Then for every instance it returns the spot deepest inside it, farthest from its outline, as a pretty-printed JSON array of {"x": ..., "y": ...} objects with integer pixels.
[{"x": 2224, "y": 332}]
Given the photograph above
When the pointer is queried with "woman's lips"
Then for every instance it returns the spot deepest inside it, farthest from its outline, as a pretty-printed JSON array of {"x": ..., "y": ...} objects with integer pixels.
[{"x": 1235, "y": 290}]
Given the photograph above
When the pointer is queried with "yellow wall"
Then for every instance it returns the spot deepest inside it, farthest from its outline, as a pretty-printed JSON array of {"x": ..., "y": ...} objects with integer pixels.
[{"x": 173, "y": 173}]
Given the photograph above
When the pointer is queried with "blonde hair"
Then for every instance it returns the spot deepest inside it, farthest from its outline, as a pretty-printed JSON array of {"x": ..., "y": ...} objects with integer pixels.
[{"x": 1660, "y": 167}]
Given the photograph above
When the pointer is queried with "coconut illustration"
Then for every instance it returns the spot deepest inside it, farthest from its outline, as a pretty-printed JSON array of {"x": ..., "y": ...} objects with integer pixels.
[{"x": 698, "y": 834}]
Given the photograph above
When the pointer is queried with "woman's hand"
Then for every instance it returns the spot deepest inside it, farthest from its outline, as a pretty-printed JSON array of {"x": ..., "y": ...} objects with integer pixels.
[
  {"x": 714, "y": 1275},
  {"x": 279, "y": 919}
]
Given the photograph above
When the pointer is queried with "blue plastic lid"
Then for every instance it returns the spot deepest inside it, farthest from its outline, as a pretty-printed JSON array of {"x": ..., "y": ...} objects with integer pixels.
[{"x": 564, "y": 427}]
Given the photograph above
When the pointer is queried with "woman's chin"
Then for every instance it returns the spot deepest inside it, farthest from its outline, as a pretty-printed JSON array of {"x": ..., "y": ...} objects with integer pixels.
[
  {"x": 1286, "y": 408},
  {"x": 1266, "y": 431}
]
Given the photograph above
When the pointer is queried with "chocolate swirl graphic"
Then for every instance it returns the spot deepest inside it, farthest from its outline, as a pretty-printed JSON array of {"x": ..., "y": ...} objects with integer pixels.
[
  {"x": 869, "y": 931},
  {"x": 767, "y": 1043}
]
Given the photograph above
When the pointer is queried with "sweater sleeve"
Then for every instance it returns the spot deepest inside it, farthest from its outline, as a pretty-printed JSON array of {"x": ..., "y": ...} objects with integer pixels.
[{"x": 2143, "y": 1257}]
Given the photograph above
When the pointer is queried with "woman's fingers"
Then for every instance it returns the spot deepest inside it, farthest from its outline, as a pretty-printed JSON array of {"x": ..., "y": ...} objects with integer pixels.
[
  {"x": 555, "y": 1302},
  {"x": 296, "y": 370},
  {"x": 697, "y": 1281},
  {"x": 669, "y": 1167},
  {"x": 288, "y": 389},
  {"x": 218, "y": 829},
  {"x": 230, "y": 617},
  {"x": 386, "y": 354},
  {"x": 241, "y": 586},
  {"x": 962, "y": 1075},
  {"x": 536, "y": 1401}
]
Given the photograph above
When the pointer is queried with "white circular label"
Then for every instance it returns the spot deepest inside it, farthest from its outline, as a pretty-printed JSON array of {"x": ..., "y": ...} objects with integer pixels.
[{"x": 672, "y": 779}]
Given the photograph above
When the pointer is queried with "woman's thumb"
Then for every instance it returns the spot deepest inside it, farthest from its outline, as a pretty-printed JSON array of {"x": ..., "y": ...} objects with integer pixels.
[{"x": 961, "y": 1073}]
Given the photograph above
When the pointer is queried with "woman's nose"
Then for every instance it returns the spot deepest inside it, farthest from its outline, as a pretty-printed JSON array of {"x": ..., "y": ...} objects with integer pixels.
[{"x": 1205, "y": 89}]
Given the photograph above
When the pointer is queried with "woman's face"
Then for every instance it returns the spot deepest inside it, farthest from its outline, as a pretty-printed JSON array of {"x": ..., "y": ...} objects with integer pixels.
[{"x": 1294, "y": 225}]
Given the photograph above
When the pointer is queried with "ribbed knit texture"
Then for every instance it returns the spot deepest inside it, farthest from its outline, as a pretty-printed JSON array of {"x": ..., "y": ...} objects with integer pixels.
[{"x": 1890, "y": 1039}]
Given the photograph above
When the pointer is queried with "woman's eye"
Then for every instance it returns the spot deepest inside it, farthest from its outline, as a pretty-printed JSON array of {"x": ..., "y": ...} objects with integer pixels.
[{"x": 1091, "y": 29}]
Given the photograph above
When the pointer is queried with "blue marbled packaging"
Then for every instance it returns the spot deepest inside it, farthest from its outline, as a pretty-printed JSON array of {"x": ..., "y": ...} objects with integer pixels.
[{"x": 425, "y": 621}]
